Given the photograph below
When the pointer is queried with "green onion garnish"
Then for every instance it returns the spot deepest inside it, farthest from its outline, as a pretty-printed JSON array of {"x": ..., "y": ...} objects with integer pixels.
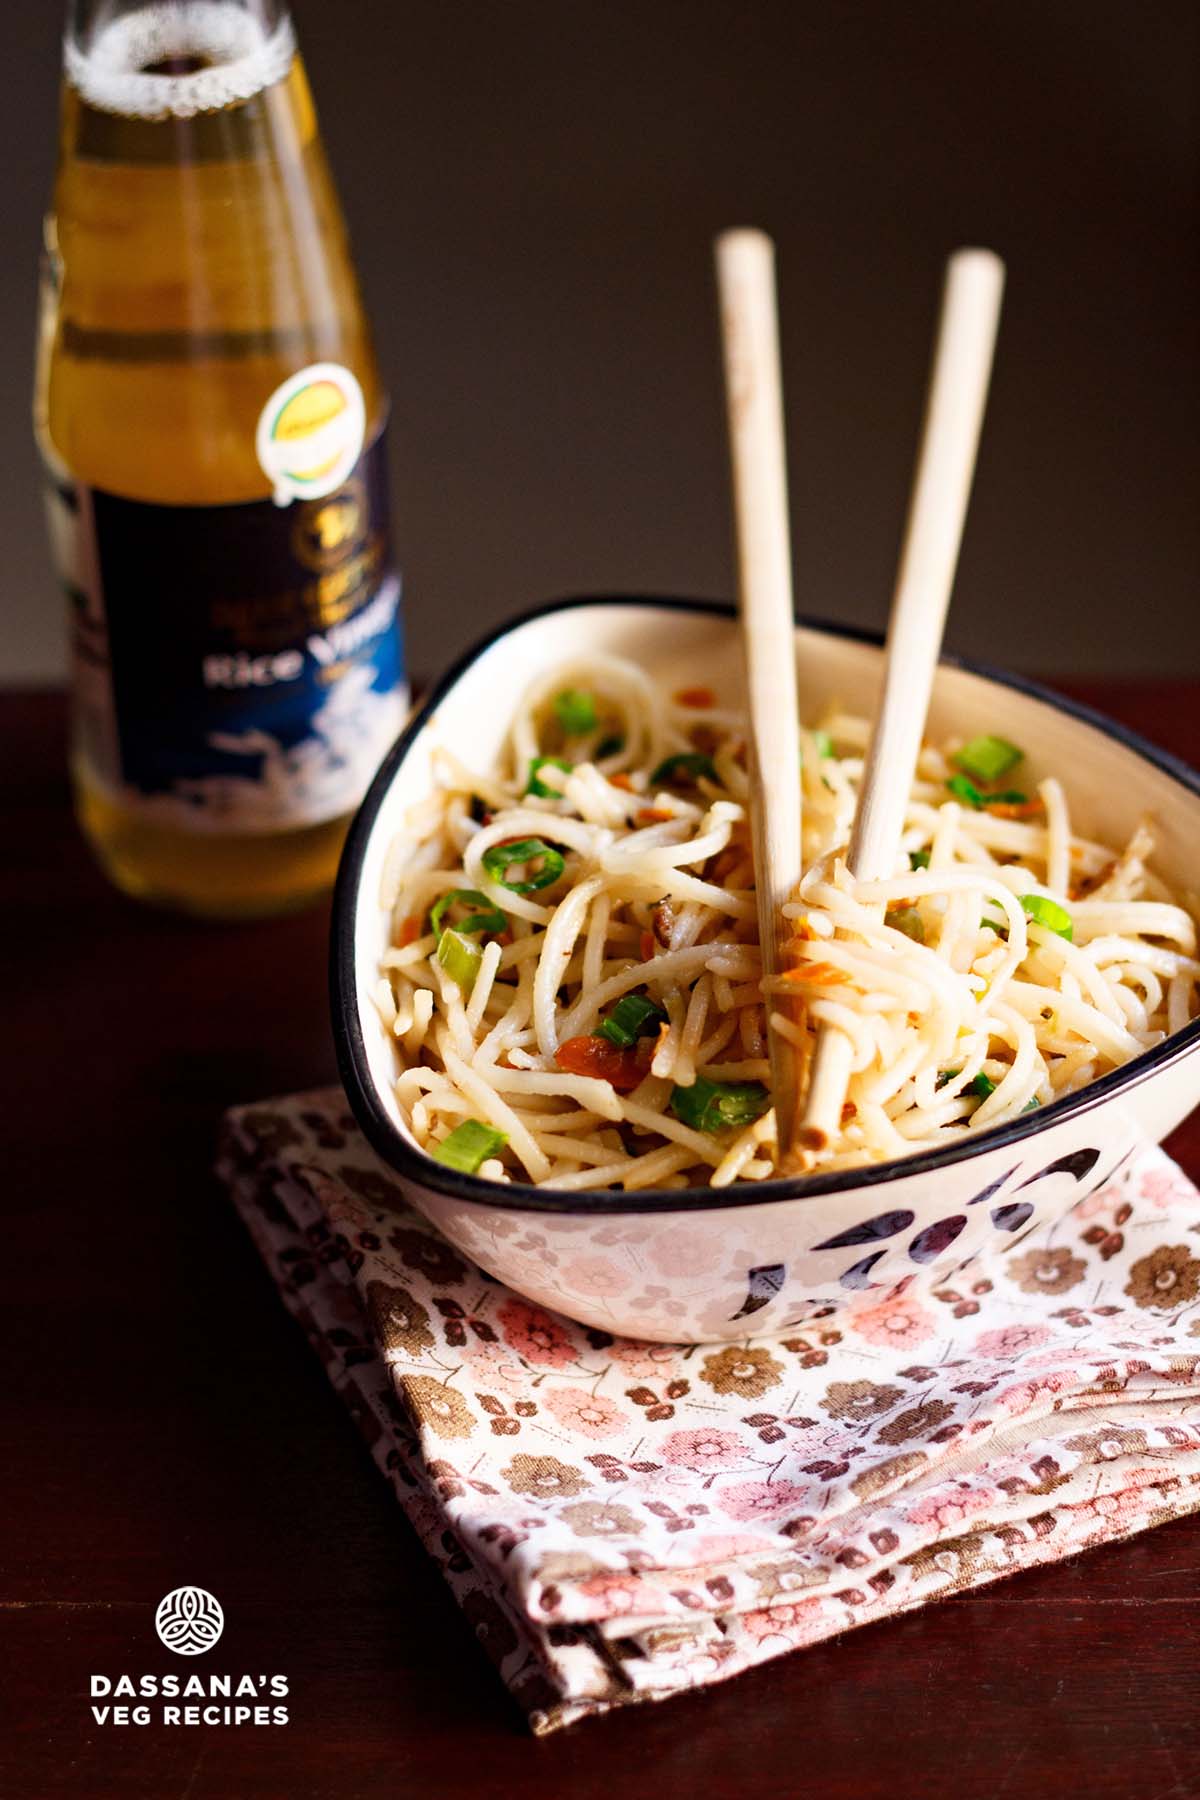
[
  {"x": 718, "y": 1105},
  {"x": 918, "y": 859},
  {"x": 823, "y": 743},
  {"x": 988, "y": 758},
  {"x": 460, "y": 958},
  {"x": 481, "y": 915},
  {"x": 1031, "y": 1105},
  {"x": 981, "y": 1086},
  {"x": 1050, "y": 914},
  {"x": 468, "y": 1146},
  {"x": 503, "y": 857},
  {"x": 682, "y": 769},
  {"x": 966, "y": 790},
  {"x": 536, "y": 786},
  {"x": 609, "y": 746},
  {"x": 575, "y": 710},
  {"x": 633, "y": 1016},
  {"x": 908, "y": 920}
]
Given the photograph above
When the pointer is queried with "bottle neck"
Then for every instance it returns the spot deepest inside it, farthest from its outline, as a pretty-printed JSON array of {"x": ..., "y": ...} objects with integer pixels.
[{"x": 159, "y": 59}]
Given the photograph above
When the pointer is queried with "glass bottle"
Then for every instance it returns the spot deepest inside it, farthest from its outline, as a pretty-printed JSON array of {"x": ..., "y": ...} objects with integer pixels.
[{"x": 212, "y": 425}]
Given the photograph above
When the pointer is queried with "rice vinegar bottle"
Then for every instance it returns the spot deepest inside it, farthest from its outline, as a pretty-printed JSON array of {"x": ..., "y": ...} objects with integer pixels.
[{"x": 212, "y": 425}]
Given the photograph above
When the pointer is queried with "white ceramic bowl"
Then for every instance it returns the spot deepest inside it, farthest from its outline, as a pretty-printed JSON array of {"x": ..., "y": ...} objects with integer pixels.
[{"x": 696, "y": 1265}]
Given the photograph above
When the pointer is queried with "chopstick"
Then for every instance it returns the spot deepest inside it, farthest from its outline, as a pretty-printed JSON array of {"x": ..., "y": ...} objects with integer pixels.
[
  {"x": 954, "y": 414},
  {"x": 745, "y": 262}
]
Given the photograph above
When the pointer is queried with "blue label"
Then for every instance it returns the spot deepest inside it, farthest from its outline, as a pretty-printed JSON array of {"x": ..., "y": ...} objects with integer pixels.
[{"x": 255, "y": 651}]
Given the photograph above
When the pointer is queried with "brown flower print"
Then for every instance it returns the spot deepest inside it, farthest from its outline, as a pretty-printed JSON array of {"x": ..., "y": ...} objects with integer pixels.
[
  {"x": 371, "y": 1186},
  {"x": 884, "y": 1474},
  {"x": 1046, "y": 1271},
  {"x": 917, "y": 1422},
  {"x": 600, "y": 1518},
  {"x": 1167, "y": 1278},
  {"x": 748, "y": 1373},
  {"x": 1108, "y": 1442},
  {"x": 437, "y": 1406},
  {"x": 398, "y": 1321},
  {"x": 544, "y": 1477},
  {"x": 490, "y": 1624},
  {"x": 430, "y": 1256},
  {"x": 859, "y": 1400}
]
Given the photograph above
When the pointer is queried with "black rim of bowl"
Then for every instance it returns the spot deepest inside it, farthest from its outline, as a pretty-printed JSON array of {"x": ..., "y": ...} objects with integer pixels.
[{"x": 390, "y": 1143}]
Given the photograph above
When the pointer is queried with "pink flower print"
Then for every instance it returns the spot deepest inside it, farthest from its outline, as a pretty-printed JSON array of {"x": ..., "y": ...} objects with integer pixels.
[
  {"x": 1162, "y": 1189},
  {"x": 715, "y": 1547},
  {"x": 706, "y": 1451},
  {"x": 650, "y": 1362},
  {"x": 948, "y": 1510},
  {"x": 591, "y": 1415},
  {"x": 781, "y": 1621},
  {"x": 536, "y": 1335},
  {"x": 498, "y": 1367},
  {"x": 1012, "y": 1340},
  {"x": 899, "y": 1321},
  {"x": 596, "y": 1275},
  {"x": 684, "y": 1250},
  {"x": 759, "y": 1499},
  {"x": 615, "y": 1593},
  {"x": 1103, "y": 1200}
]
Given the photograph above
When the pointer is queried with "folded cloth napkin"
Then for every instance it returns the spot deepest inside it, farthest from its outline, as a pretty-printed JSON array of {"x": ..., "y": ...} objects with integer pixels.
[{"x": 620, "y": 1521}]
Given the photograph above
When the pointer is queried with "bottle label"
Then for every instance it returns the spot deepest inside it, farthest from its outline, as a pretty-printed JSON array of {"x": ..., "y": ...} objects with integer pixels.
[
  {"x": 237, "y": 668},
  {"x": 310, "y": 432}
]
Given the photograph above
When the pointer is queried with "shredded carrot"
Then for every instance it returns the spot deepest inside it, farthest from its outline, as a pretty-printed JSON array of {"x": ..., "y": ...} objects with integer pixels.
[
  {"x": 648, "y": 945},
  {"x": 410, "y": 931},
  {"x": 621, "y": 781},
  {"x": 652, "y": 815},
  {"x": 698, "y": 697},
  {"x": 818, "y": 974},
  {"x": 1014, "y": 809}
]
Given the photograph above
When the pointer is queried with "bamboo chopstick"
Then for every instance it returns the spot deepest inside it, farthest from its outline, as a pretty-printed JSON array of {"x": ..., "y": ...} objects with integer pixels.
[
  {"x": 946, "y": 462},
  {"x": 754, "y": 400}
]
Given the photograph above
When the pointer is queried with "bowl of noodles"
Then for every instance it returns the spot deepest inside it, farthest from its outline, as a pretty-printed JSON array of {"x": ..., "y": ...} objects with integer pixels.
[{"x": 548, "y": 1002}]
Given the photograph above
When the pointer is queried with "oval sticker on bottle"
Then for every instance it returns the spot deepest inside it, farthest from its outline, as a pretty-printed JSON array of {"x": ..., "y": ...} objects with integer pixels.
[{"x": 310, "y": 432}]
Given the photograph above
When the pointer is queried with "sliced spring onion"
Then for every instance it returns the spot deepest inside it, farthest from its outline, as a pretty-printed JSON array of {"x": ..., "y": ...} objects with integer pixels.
[
  {"x": 481, "y": 915},
  {"x": 719, "y": 1105},
  {"x": 633, "y": 1016},
  {"x": 823, "y": 742},
  {"x": 460, "y": 958},
  {"x": 1050, "y": 914},
  {"x": 536, "y": 786},
  {"x": 575, "y": 710},
  {"x": 908, "y": 920},
  {"x": 468, "y": 1146},
  {"x": 981, "y": 1086},
  {"x": 988, "y": 758},
  {"x": 918, "y": 859},
  {"x": 503, "y": 857},
  {"x": 609, "y": 746},
  {"x": 962, "y": 789},
  {"x": 1031, "y": 1105},
  {"x": 685, "y": 767}
]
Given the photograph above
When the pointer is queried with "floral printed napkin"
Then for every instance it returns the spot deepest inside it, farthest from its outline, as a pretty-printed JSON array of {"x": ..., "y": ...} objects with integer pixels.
[{"x": 622, "y": 1520}]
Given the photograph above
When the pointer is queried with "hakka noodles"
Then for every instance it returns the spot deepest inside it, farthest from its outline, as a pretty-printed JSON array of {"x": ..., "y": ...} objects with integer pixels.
[{"x": 574, "y": 980}]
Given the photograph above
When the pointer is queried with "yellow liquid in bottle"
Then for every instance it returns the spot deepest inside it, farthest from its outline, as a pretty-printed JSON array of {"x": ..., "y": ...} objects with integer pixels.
[{"x": 195, "y": 263}]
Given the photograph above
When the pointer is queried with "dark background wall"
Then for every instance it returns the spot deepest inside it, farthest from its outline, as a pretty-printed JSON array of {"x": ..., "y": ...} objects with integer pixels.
[{"x": 533, "y": 188}]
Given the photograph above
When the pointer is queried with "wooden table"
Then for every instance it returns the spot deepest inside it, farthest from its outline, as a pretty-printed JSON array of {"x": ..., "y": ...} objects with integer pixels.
[{"x": 168, "y": 1424}]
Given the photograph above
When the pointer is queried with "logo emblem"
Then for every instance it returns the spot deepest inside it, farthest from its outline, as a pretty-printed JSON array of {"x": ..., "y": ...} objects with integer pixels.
[
  {"x": 310, "y": 432},
  {"x": 189, "y": 1621}
]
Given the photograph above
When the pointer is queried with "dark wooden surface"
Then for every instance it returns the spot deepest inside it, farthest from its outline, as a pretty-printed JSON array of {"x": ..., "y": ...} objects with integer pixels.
[{"x": 166, "y": 1423}]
